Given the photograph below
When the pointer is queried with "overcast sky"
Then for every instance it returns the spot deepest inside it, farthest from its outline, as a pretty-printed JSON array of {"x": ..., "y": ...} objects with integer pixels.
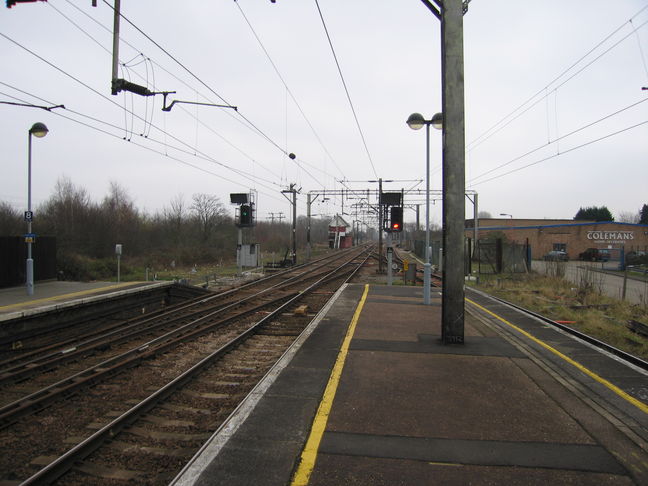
[{"x": 572, "y": 62}]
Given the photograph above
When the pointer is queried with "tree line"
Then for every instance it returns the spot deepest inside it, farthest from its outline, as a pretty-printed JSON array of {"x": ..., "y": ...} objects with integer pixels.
[
  {"x": 188, "y": 231},
  {"x": 602, "y": 213}
]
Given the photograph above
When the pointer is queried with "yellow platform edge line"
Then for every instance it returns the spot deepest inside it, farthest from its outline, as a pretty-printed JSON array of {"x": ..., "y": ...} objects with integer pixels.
[
  {"x": 309, "y": 454},
  {"x": 67, "y": 296},
  {"x": 615, "y": 389}
]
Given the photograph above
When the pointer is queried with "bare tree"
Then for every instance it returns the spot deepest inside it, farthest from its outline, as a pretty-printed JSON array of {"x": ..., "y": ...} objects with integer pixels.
[
  {"x": 120, "y": 218},
  {"x": 209, "y": 212},
  {"x": 175, "y": 217},
  {"x": 66, "y": 214},
  {"x": 629, "y": 217},
  {"x": 177, "y": 211}
]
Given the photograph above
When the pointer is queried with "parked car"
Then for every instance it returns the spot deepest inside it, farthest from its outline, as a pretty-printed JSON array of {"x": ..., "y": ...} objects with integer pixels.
[
  {"x": 636, "y": 258},
  {"x": 594, "y": 255},
  {"x": 556, "y": 256}
]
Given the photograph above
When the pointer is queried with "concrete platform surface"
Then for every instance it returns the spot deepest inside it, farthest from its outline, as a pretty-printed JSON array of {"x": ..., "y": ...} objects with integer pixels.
[
  {"x": 14, "y": 301},
  {"x": 377, "y": 399}
]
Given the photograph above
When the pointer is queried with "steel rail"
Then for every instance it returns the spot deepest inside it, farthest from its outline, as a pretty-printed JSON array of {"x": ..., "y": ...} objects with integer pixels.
[
  {"x": 64, "y": 463},
  {"x": 174, "y": 308},
  {"x": 636, "y": 361},
  {"x": 40, "y": 399},
  {"x": 137, "y": 327}
]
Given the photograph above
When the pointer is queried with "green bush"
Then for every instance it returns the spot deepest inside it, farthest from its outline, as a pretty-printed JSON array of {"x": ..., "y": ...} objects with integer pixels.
[{"x": 72, "y": 266}]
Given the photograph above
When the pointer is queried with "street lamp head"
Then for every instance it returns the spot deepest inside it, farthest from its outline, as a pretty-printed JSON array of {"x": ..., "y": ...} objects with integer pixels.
[
  {"x": 416, "y": 121},
  {"x": 38, "y": 130},
  {"x": 437, "y": 121}
]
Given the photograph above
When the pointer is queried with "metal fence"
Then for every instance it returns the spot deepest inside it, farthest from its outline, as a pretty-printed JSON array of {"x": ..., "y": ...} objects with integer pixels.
[
  {"x": 498, "y": 256},
  {"x": 419, "y": 250},
  {"x": 490, "y": 256}
]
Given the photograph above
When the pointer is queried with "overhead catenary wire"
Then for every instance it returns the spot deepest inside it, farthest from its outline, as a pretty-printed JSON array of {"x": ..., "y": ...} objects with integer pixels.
[
  {"x": 177, "y": 78},
  {"x": 297, "y": 161},
  {"x": 516, "y": 113},
  {"x": 573, "y": 132},
  {"x": 106, "y": 132},
  {"x": 641, "y": 52},
  {"x": 78, "y": 26},
  {"x": 609, "y": 135},
  {"x": 346, "y": 89},
  {"x": 288, "y": 90},
  {"x": 192, "y": 74},
  {"x": 240, "y": 172}
]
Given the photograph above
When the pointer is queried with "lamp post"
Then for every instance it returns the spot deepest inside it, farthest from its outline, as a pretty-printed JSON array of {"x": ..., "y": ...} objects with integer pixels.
[
  {"x": 416, "y": 122},
  {"x": 38, "y": 130},
  {"x": 506, "y": 214}
]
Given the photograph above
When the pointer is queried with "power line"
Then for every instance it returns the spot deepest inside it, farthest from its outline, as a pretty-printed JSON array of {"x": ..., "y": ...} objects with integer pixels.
[
  {"x": 159, "y": 66},
  {"x": 192, "y": 74},
  {"x": 355, "y": 116},
  {"x": 132, "y": 113},
  {"x": 105, "y": 132},
  {"x": 498, "y": 126},
  {"x": 297, "y": 161},
  {"x": 641, "y": 52},
  {"x": 79, "y": 27},
  {"x": 204, "y": 84},
  {"x": 584, "y": 127},
  {"x": 563, "y": 152},
  {"x": 274, "y": 66}
]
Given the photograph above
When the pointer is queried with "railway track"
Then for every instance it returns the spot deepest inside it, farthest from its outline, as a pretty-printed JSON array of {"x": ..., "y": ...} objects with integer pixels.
[
  {"x": 142, "y": 413},
  {"x": 597, "y": 343},
  {"x": 399, "y": 256},
  {"x": 98, "y": 345},
  {"x": 437, "y": 280},
  {"x": 58, "y": 340}
]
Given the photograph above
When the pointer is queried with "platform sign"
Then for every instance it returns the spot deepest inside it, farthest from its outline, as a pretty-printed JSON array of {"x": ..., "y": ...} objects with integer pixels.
[{"x": 29, "y": 216}]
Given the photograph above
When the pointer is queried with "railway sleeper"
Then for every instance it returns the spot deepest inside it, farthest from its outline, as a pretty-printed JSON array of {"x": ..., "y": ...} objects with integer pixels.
[
  {"x": 107, "y": 472},
  {"x": 128, "y": 449}
]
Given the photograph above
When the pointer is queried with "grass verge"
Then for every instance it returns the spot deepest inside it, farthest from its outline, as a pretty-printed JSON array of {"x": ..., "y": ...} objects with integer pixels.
[{"x": 581, "y": 308}]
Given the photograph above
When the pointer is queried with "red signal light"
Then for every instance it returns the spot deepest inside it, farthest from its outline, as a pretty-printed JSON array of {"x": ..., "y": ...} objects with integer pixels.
[{"x": 396, "y": 218}]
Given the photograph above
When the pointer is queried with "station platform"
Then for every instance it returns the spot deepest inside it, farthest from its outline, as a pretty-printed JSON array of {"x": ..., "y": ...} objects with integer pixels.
[
  {"x": 48, "y": 295},
  {"x": 369, "y": 395}
]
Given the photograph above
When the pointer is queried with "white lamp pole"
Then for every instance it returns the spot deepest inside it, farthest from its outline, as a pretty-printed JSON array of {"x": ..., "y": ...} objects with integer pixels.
[
  {"x": 416, "y": 122},
  {"x": 39, "y": 130}
]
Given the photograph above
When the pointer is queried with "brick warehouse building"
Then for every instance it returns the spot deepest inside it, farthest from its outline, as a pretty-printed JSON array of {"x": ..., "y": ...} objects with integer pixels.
[{"x": 574, "y": 237}]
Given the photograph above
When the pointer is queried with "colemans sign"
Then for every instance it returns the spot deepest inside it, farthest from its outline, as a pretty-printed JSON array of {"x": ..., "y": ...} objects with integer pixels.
[{"x": 619, "y": 236}]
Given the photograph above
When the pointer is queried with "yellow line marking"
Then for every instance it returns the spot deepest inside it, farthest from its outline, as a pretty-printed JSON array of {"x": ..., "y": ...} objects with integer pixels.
[
  {"x": 309, "y": 454},
  {"x": 66, "y": 296},
  {"x": 640, "y": 405}
]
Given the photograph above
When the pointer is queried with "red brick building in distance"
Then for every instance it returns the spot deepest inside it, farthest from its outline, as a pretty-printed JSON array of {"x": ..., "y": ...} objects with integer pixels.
[
  {"x": 339, "y": 235},
  {"x": 574, "y": 237}
]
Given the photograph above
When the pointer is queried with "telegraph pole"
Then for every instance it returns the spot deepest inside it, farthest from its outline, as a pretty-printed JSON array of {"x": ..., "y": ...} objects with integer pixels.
[
  {"x": 452, "y": 68},
  {"x": 380, "y": 227},
  {"x": 294, "y": 225},
  {"x": 293, "y": 233},
  {"x": 308, "y": 227}
]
